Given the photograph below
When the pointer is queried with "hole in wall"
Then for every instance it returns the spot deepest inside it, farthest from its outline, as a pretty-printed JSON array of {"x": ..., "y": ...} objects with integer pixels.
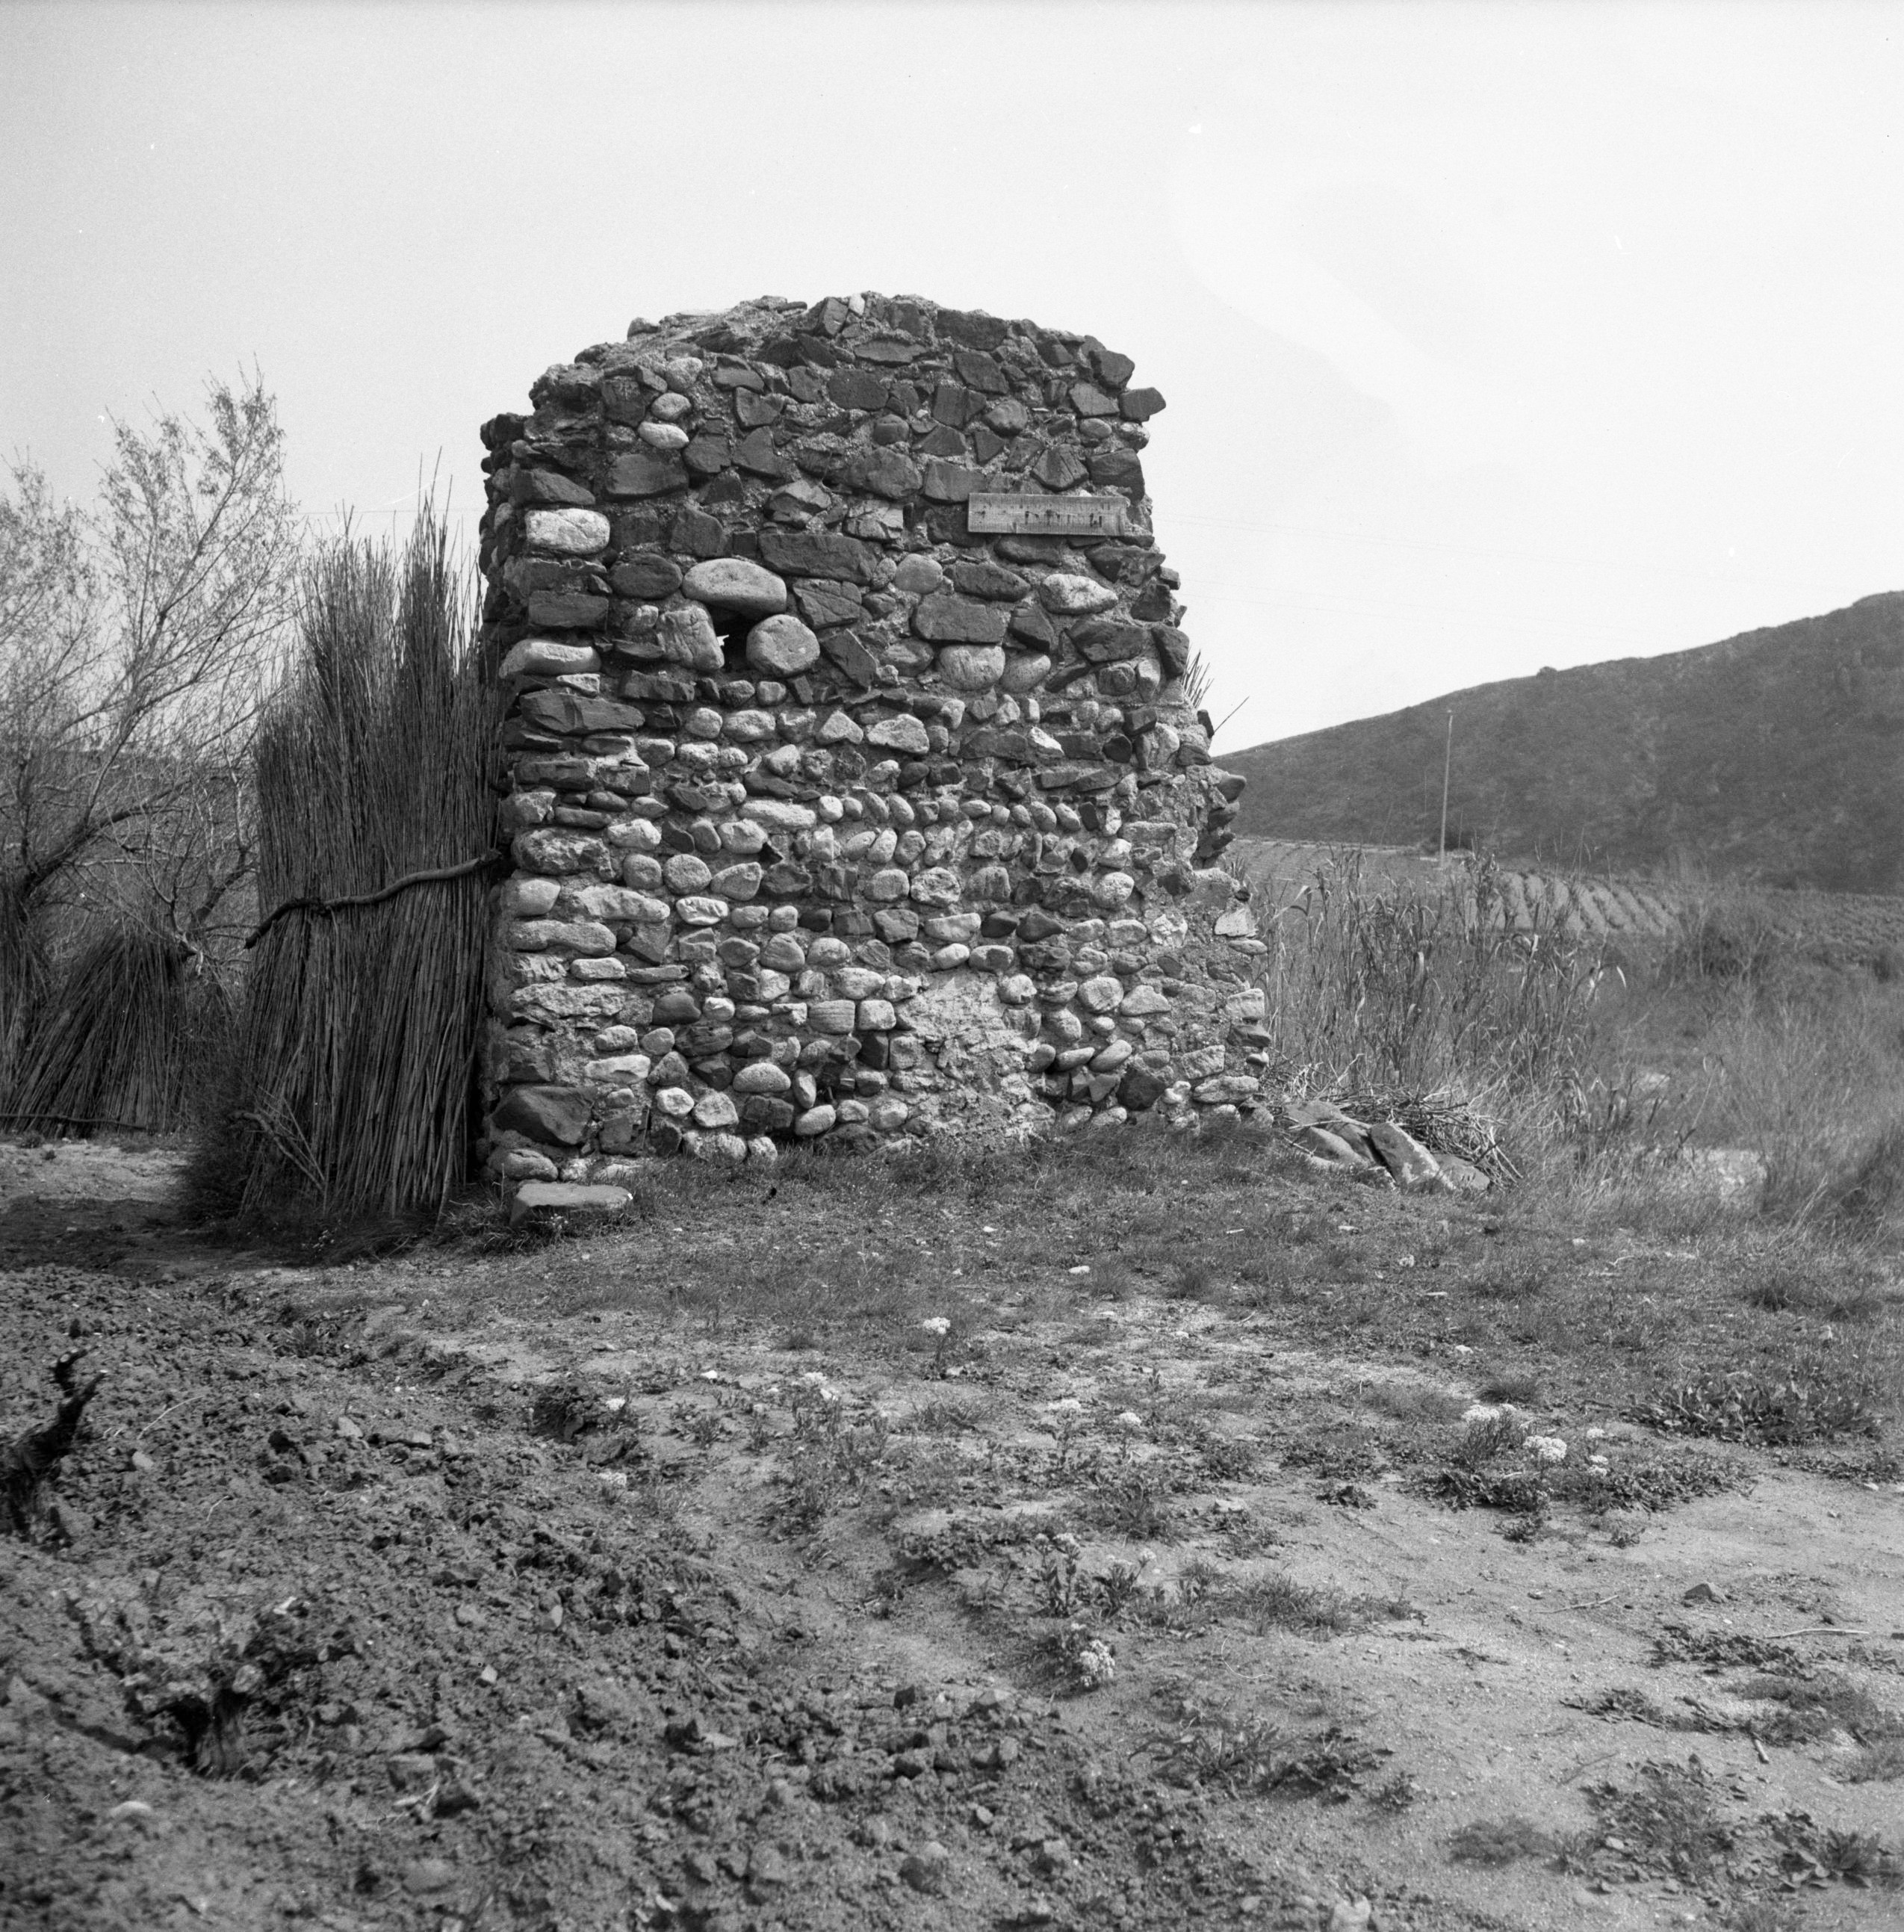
[{"x": 731, "y": 627}]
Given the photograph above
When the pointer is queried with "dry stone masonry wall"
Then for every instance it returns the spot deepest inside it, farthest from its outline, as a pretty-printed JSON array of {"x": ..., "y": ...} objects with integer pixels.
[{"x": 836, "y": 813}]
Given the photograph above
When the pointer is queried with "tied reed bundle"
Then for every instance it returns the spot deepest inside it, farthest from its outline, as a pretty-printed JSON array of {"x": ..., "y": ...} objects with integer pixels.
[
  {"x": 361, "y": 1020},
  {"x": 118, "y": 1042}
]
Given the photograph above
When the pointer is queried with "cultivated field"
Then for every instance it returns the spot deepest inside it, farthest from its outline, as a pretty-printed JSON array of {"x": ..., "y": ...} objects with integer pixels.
[{"x": 1851, "y": 927}]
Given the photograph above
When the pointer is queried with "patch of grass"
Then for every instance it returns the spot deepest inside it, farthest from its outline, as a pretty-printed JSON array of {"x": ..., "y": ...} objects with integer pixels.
[
  {"x": 1523, "y": 1390},
  {"x": 1668, "y": 1823},
  {"x": 1881, "y": 1763},
  {"x": 967, "y": 1542},
  {"x": 1865, "y": 1462},
  {"x": 1653, "y": 1484},
  {"x": 1268, "y": 1600},
  {"x": 1752, "y": 1405},
  {"x": 835, "y": 1449},
  {"x": 1762, "y": 1915},
  {"x": 1506, "y": 1280},
  {"x": 1408, "y": 1402},
  {"x": 1679, "y": 1643},
  {"x": 1135, "y": 1504},
  {"x": 1623, "y": 1704},
  {"x": 1813, "y": 1707},
  {"x": 1253, "y": 1755},
  {"x": 1858, "y": 1289},
  {"x": 1192, "y": 1280},
  {"x": 1276, "y": 1601},
  {"x": 1517, "y": 1492},
  {"x": 1501, "y": 1841},
  {"x": 1224, "y": 1459},
  {"x": 1343, "y": 1453},
  {"x": 1822, "y": 1854},
  {"x": 941, "y": 1415}
]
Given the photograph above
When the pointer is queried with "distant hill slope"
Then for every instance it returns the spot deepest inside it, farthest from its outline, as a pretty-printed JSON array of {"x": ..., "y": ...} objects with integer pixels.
[{"x": 1777, "y": 756}]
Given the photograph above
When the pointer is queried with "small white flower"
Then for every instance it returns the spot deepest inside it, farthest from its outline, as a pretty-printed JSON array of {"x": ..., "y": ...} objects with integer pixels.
[
  {"x": 1066, "y": 1405},
  {"x": 814, "y": 1378},
  {"x": 615, "y": 1404},
  {"x": 936, "y": 1324},
  {"x": 1596, "y": 1435},
  {"x": 1547, "y": 1448},
  {"x": 1082, "y": 1267},
  {"x": 1130, "y": 1420},
  {"x": 710, "y": 1374},
  {"x": 1599, "y": 1462},
  {"x": 1486, "y": 1411},
  {"x": 1095, "y": 1664}
]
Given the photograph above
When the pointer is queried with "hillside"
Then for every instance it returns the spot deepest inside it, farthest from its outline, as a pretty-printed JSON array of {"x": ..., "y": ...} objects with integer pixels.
[{"x": 1777, "y": 756}]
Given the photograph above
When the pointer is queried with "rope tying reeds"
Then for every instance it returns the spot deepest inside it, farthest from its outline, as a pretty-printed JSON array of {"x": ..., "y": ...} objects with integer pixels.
[{"x": 389, "y": 892}]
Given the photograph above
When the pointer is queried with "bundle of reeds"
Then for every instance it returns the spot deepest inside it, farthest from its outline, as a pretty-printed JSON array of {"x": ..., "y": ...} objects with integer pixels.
[
  {"x": 374, "y": 765},
  {"x": 121, "y": 1040},
  {"x": 24, "y": 983}
]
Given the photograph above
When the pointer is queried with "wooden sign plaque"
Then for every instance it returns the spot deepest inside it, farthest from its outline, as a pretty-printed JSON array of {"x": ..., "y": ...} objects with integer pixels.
[{"x": 1048, "y": 516}]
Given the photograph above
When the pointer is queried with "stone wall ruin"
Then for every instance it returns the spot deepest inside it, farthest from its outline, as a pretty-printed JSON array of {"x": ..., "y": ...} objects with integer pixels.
[{"x": 835, "y": 815}]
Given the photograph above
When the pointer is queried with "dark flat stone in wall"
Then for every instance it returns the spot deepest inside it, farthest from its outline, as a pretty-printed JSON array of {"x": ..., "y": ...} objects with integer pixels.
[
  {"x": 988, "y": 580},
  {"x": 647, "y": 577},
  {"x": 706, "y": 456},
  {"x": 940, "y": 441},
  {"x": 886, "y": 471},
  {"x": 976, "y": 331},
  {"x": 856, "y": 389},
  {"x": 637, "y": 475},
  {"x": 696, "y": 534},
  {"x": 572, "y": 713},
  {"x": 816, "y": 553},
  {"x": 557, "y": 1114},
  {"x": 549, "y": 486},
  {"x": 944, "y": 617},
  {"x": 1058, "y": 469}
]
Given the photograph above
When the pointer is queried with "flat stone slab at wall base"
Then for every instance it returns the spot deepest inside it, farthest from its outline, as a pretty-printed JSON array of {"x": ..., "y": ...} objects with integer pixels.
[{"x": 569, "y": 1197}]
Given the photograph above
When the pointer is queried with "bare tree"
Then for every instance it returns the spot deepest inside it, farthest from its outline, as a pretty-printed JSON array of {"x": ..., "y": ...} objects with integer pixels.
[{"x": 136, "y": 641}]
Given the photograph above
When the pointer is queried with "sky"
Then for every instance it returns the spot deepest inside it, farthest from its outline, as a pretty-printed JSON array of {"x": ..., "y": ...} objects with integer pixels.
[{"x": 1493, "y": 336}]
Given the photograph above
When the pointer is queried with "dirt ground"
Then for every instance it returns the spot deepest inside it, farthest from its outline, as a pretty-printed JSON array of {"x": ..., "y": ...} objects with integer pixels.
[{"x": 434, "y": 1591}]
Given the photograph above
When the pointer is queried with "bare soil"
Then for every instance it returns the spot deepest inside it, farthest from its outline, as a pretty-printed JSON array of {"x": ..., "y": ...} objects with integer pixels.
[{"x": 676, "y": 1575}]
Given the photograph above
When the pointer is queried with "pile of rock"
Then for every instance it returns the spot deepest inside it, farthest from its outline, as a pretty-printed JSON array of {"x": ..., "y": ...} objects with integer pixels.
[{"x": 836, "y": 812}]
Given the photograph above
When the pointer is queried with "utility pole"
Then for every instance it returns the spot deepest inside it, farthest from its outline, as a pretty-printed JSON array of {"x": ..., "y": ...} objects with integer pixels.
[{"x": 1447, "y": 761}]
